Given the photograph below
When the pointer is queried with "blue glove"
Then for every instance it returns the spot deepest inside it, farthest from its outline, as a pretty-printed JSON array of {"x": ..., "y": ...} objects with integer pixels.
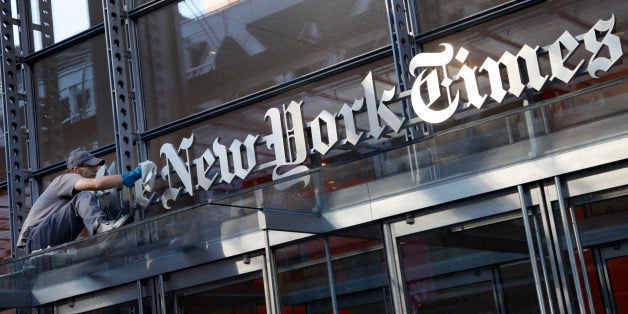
[{"x": 130, "y": 177}]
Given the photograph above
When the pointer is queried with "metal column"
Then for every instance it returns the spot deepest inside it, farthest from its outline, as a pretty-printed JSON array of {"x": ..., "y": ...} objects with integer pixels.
[
  {"x": 119, "y": 57},
  {"x": 14, "y": 130},
  {"x": 403, "y": 27}
]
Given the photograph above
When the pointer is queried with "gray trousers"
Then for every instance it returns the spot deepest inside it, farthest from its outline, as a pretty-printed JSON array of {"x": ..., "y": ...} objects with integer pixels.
[{"x": 67, "y": 223}]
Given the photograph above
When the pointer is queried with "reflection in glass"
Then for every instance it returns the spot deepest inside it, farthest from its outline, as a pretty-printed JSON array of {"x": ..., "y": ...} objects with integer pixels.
[
  {"x": 73, "y": 101},
  {"x": 360, "y": 272},
  {"x": 434, "y": 13},
  {"x": 56, "y": 20},
  {"x": 302, "y": 278},
  {"x": 197, "y": 55},
  {"x": 468, "y": 268}
]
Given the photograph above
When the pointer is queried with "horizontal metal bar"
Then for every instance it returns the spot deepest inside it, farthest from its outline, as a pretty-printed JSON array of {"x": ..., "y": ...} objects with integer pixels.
[
  {"x": 476, "y": 19},
  {"x": 147, "y": 8},
  {"x": 66, "y": 43}
]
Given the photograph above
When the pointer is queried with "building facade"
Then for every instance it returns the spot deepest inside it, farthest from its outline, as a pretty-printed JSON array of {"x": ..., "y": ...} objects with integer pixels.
[{"x": 351, "y": 156}]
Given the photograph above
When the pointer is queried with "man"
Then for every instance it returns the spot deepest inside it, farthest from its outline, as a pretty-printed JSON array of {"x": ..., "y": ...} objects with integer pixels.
[{"x": 68, "y": 205}]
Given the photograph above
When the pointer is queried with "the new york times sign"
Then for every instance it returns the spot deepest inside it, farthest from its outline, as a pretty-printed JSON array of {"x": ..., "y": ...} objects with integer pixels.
[{"x": 290, "y": 145}]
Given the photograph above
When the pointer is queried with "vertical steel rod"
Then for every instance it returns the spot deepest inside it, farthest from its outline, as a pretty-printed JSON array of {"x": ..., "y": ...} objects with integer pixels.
[
  {"x": 546, "y": 275},
  {"x": 330, "y": 273},
  {"x": 162, "y": 295},
  {"x": 139, "y": 296},
  {"x": 545, "y": 223},
  {"x": 570, "y": 249},
  {"x": 583, "y": 266},
  {"x": 272, "y": 274},
  {"x": 565, "y": 294},
  {"x": 396, "y": 281},
  {"x": 529, "y": 238}
]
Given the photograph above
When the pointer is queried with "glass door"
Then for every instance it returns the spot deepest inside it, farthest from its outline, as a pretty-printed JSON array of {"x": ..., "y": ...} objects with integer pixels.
[
  {"x": 226, "y": 286},
  {"x": 471, "y": 257},
  {"x": 603, "y": 231}
]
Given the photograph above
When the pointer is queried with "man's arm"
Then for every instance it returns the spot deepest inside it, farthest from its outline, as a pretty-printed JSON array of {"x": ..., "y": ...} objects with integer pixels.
[
  {"x": 114, "y": 180},
  {"x": 99, "y": 183}
]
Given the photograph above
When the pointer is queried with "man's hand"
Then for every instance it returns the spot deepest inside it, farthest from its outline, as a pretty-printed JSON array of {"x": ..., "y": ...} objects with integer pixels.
[{"x": 145, "y": 171}]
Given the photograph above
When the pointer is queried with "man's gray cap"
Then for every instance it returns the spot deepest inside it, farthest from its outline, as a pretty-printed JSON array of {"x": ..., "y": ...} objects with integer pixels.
[{"x": 81, "y": 157}]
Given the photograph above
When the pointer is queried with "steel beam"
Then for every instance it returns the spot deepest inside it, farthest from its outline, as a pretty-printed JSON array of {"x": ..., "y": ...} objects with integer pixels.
[{"x": 119, "y": 57}]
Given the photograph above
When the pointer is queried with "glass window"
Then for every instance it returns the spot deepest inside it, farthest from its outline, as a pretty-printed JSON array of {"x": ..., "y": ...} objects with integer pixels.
[
  {"x": 475, "y": 267},
  {"x": 235, "y": 295},
  {"x": 434, "y": 13},
  {"x": 302, "y": 278},
  {"x": 5, "y": 226},
  {"x": 197, "y": 55},
  {"x": 55, "y": 20},
  {"x": 73, "y": 101},
  {"x": 329, "y": 94},
  {"x": 360, "y": 272}
]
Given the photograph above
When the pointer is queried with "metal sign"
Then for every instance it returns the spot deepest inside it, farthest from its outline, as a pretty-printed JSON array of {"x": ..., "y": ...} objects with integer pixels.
[{"x": 291, "y": 146}]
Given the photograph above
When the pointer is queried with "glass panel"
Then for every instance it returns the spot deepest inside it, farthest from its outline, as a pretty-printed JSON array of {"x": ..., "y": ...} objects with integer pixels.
[
  {"x": 360, "y": 272},
  {"x": 73, "y": 101},
  {"x": 5, "y": 226},
  {"x": 617, "y": 273},
  {"x": 55, "y": 20},
  {"x": 468, "y": 268},
  {"x": 330, "y": 95},
  {"x": 234, "y": 295},
  {"x": 196, "y": 55},
  {"x": 602, "y": 229},
  {"x": 518, "y": 292},
  {"x": 302, "y": 278},
  {"x": 192, "y": 236},
  {"x": 434, "y": 13}
]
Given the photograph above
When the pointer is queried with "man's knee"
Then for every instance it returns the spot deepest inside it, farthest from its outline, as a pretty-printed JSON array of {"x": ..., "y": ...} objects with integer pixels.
[
  {"x": 85, "y": 196},
  {"x": 85, "y": 204}
]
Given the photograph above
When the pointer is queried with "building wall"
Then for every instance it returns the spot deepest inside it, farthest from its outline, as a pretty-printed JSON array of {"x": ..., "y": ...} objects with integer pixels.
[{"x": 469, "y": 213}]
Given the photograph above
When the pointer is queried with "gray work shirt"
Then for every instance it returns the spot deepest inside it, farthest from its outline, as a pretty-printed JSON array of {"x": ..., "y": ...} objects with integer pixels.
[{"x": 57, "y": 195}]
